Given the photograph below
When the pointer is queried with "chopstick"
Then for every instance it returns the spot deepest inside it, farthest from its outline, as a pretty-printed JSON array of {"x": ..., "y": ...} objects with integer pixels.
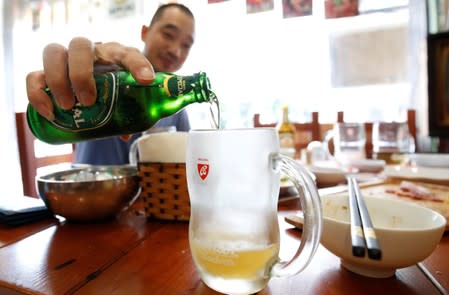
[
  {"x": 362, "y": 231},
  {"x": 357, "y": 237}
]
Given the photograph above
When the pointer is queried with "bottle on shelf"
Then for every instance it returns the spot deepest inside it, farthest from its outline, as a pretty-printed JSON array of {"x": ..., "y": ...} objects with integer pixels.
[
  {"x": 286, "y": 131},
  {"x": 123, "y": 106}
]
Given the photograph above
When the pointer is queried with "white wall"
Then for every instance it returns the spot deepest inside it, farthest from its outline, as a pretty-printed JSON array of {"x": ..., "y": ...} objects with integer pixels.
[{"x": 9, "y": 156}]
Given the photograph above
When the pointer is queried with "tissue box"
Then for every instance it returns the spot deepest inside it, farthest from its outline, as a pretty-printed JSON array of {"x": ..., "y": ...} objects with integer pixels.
[{"x": 162, "y": 172}]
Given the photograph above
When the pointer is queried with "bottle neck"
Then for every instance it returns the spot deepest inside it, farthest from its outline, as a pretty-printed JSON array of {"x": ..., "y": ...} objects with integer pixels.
[
  {"x": 176, "y": 85},
  {"x": 285, "y": 116},
  {"x": 202, "y": 88}
]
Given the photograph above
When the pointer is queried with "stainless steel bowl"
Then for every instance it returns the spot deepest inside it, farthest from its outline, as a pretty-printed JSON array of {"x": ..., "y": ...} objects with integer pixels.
[{"x": 90, "y": 193}]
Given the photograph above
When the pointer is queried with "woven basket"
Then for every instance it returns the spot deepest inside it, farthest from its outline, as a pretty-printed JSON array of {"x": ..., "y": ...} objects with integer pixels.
[{"x": 164, "y": 190}]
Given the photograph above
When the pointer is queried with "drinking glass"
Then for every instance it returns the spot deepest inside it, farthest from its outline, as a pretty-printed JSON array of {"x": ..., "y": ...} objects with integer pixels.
[
  {"x": 392, "y": 142},
  {"x": 233, "y": 179},
  {"x": 349, "y": 142}
]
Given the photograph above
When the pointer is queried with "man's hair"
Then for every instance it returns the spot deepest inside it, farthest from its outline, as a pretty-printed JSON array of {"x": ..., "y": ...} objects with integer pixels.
[{"x": 160, "y": 10}]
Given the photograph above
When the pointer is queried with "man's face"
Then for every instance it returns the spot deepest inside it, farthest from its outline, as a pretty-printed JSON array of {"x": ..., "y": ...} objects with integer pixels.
[{"x": 168, "y": 40}]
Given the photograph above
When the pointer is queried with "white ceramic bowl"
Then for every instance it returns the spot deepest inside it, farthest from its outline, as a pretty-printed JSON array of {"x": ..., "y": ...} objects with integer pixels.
[{"x": 407, "y": 233}]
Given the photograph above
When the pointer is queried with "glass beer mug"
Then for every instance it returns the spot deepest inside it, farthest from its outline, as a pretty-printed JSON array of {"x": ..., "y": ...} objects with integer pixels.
[
  {"x": 349, "y": 143},
  {"x": 233, "y": 179},
  {"x": 392, "y": 142}
]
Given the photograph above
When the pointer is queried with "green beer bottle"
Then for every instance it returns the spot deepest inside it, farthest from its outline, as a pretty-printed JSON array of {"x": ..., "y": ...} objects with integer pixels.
[{"x": 122, "y": 107}]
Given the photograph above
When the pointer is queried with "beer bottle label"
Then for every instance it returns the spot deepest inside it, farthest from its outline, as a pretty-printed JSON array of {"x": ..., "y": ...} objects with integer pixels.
[
  {"x": 177, "y": 85},
  {"x": 286, "y": 140},
  {"x": 80, "y": 117}
]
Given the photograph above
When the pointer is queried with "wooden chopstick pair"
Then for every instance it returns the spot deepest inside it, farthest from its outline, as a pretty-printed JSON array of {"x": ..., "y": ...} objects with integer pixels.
[{"x": 363, "y": 235}]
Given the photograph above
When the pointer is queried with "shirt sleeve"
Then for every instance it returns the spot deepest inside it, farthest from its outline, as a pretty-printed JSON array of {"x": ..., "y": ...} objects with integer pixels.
[{"x": 180, "y": 120}]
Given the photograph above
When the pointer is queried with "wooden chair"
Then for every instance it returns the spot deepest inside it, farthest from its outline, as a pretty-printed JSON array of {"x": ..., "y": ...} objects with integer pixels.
[
  {"x": 31, "y": 162},
  {"x": 412, "y": 128},
  {"x": 305, "y": 132}
]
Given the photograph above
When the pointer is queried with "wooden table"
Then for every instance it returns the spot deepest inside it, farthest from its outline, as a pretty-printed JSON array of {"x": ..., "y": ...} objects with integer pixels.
[{"x": 131, "y": 255}]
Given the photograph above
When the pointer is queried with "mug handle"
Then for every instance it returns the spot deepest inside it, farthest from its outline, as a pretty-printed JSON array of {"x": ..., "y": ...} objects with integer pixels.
[
  {"x": 132, "y": 156},
  {"x": 327, "y": 139},
  {"x": 411, "y": 143},
  {"x": 313, "y": 216}
]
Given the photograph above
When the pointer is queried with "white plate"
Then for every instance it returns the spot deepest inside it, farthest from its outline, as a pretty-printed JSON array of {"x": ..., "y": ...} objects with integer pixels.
[
  {"x": 328, "y": 175},
  {"x": 368, "y": 165},
  {"x": 287, "y": 188},
  {"x": 430, "y": 160},
  {"x": 440, "y": 175}
]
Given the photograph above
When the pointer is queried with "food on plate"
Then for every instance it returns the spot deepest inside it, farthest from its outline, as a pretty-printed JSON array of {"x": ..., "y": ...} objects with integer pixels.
[
  {"x": 417, "y": 191},
  {"x": 433, "y": 196}
]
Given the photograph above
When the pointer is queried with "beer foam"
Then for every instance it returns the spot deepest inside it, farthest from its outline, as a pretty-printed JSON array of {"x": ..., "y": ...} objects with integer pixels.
[{"x": 230, "y": 246}]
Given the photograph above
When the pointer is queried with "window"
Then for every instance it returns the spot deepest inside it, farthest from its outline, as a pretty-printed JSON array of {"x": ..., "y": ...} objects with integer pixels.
[{"x": 256, "y": 62}]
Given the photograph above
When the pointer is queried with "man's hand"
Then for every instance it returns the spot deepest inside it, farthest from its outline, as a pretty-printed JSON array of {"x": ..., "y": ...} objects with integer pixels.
[{"x": 68, "y": 72}]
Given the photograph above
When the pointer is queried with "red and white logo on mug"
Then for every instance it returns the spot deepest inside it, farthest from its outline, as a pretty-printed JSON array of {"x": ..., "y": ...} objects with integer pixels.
[{"x": 203, "y": 168}]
